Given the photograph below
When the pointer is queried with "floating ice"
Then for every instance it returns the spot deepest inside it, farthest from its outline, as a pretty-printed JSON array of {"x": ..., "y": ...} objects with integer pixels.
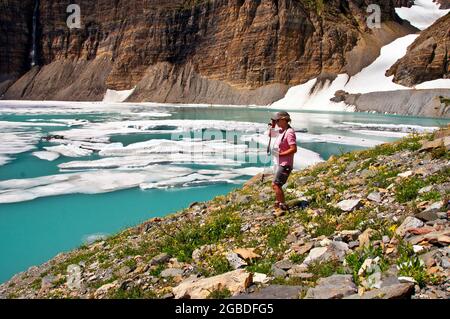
[
  {"x": 44, "y": 155},
  {"x": 405, "y": 128},
  {"x": 91, "y": 182},
  {"x": 69, "y": 150}
]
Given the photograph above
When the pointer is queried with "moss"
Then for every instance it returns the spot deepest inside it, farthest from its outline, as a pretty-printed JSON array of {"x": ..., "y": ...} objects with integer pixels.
[{"x": 221, "y": 293}]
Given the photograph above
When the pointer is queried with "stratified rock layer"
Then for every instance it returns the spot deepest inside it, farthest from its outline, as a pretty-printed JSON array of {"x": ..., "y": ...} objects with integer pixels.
[
  {"x": 188, "y": 50},
  {"x": 427, "y": 58}
]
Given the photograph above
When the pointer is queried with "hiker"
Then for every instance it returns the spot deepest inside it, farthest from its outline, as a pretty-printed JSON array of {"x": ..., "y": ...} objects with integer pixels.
[{"x": 283, "y": 154}]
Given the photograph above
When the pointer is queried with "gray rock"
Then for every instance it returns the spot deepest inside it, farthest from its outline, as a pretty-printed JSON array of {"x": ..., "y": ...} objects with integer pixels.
[
  {"x": 273, "y": 292},
  {"x": 353, "y": 244},
  {"x": 48, "y": 282},
  {"x": 350, "y": 235},
  {"x": 243, "y": 199},
  {"x": 427, "y": 216},
  {"x": 172, "y": 272},
  {"x": 374, "y": 197},
  {"x": 348, "y": 205},
  {"x": 409, "y": 222},
  {"x": 333, "y": 287},
  {"x": 291, "y": 239},
  {"x": 74, "y": 277},
  {"x": 426, "y": 189},
  {"x": 279, "y": 273},
  {"x": 235, "y": 261},
  {"x": 445, "y": 263},
  {"x": 399, "y": 291},
  {"x": 159, "y": 259},
  {"x": 434, "y": 208},
  {"x": 124, "y": 271},
  {"x": 335, "y": 250},
  {"x": 284, "y": 264}
]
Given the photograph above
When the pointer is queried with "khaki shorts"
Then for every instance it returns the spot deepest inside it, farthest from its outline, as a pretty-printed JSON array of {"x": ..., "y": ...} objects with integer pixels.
[{"x": 282, "y": 175}]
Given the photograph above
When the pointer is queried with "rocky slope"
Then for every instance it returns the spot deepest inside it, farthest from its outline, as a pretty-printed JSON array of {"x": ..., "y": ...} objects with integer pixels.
[
  {"x": 190, "y": 49},
  {"x": 367, "y": 224},
  {"x": 429, "y": 103},
  {"x": 427, "y": 58}
]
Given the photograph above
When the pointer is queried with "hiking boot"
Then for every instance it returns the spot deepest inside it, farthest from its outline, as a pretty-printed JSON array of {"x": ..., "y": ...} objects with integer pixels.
[{"x": 281, "y": 210}]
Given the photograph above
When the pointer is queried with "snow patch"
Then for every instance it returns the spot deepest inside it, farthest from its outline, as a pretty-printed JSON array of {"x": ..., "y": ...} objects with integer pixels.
[
  {"x": 112, "y": 96},
  {"x": 422, "y": 14}
]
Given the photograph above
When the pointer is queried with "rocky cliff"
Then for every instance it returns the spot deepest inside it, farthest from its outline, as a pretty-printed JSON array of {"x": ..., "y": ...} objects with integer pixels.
[
  {"x": 367, "y": 224},
  {"x": 190, "y": 49},
  {"x": 427, "y": 58}
]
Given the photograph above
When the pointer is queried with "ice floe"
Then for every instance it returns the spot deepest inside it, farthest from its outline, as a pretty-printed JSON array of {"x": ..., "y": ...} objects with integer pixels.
[
  {"x": 45, "y": 155},
  {"x": 405, "y": 128},
  {"x": 90, "y": 182},
  {"x": 69, "y": 150}
]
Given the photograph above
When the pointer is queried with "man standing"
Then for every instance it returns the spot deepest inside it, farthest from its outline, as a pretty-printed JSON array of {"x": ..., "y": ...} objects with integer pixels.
[{"x": 283, "y": 153}]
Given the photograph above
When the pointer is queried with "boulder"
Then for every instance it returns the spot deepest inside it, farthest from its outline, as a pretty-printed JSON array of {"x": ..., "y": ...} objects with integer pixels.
[
  {"x": 374, "y": 197},
  {"x": 172, "y": 272},
  {"x": 273, "y": 292},
  {"x": 159, "y": 259},
  {"x": 348, "y": 205},
  {"x": 235, "y": 261},
  {"x": 398, "y": 291},
  {"x": 334, "y": 251},
  {"x": 235, "y": 281},
  {"x": 409, "y": 222},
  {"x": 333, "y": 287},
  {"x": 74, "y": 277}
]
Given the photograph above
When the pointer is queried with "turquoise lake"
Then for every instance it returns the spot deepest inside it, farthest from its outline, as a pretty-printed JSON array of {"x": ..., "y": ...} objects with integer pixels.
[{"x": 33, "y": 231}]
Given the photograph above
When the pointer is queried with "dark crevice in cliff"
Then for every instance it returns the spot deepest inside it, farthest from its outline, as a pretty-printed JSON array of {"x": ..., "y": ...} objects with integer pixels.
[{"x": 35, "y": 36}]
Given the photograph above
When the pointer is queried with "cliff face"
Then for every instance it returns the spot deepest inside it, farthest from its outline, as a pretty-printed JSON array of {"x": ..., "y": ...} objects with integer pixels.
[
  {"x": 427, "y": 58},
  {"x": 242, "y": 44},
  {"x": 15, "y": 40}
]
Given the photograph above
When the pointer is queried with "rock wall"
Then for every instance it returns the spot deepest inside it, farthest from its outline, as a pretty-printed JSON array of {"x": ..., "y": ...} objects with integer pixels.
[
  {"x": 236, "y": 46},
  {"x": 427, "y": 58},
  {"x": 15, "y": 40}
]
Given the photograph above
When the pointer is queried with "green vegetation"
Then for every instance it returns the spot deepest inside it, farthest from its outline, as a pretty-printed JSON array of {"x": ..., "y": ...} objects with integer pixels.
[
  {"x": 263, "y": 266},
  {"x": 276, "y": 234},
  {"x": 221, "y": 293},
  {"x": 357, "y": 258},
  {"x": 193, "y": 235},
  {"x": 408, "y": 189},
  {"x": 325, "y": 269},
  {"x": 132, "y": 293},
  {"x": 297, "y": 258},
  {"x": 410, "y": 265}
]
